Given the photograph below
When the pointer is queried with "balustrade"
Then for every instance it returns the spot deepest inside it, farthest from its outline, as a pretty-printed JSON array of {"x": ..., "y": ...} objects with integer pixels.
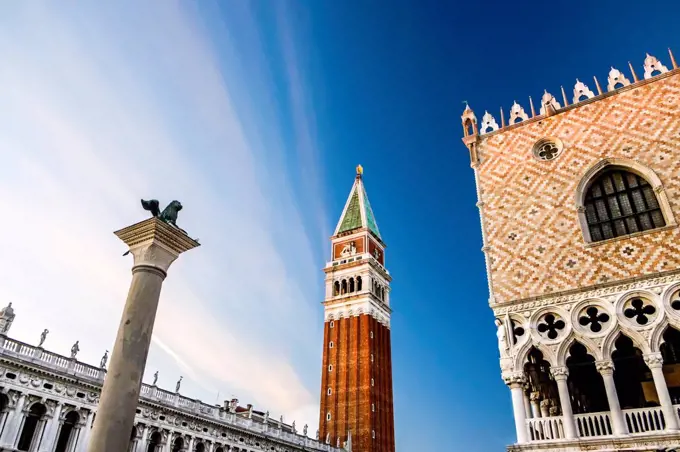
[
  {"x": 545, "y": 428},
  {"x": 642, "y": 420},
  {"x": 591, "y": 425}
]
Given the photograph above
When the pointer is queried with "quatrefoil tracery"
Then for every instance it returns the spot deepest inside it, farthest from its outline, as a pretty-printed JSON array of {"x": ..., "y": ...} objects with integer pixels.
[
  {"x": 593, "y": 319},
  {"x": 551, "y": 326},
  {"x": 641, "y": 311}
]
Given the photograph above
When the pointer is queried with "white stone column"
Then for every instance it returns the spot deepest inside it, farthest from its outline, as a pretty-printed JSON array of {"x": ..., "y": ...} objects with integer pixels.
[
  {"x": 9, "y": 434},
  {"x": 606, "y": 369},
  {"x": 560, "y": 374},
  {"x": 85, "y": 434},
  {"x": 655, "y": 363},
  {"x": 534, "y": 401},
  {"x": 143, "y": 441},
  {"x": 515, "y": 380},
  {"x": 154, "y": 245},
  {"x": 527, "y": 403},
  {"x": 191, "y": 444},
  {"x": 49, "y": 439}
]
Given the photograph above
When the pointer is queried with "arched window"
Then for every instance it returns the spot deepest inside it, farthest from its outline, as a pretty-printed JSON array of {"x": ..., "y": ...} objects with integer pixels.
[
  {"x": 154, "y": 442},
  {"x": 33, "y": 424},
  {"x": 66, "y": 431},
  {"x": 619, "y": 202},
  {"x": 359, "y": 283},
  {"x": 178, "y": 445},
  {"x": 344, "y": 287},
  {"x": 351, "y": 285},
  {"x": 200, "y": 447},
  {"x": 336, "y": 288}
]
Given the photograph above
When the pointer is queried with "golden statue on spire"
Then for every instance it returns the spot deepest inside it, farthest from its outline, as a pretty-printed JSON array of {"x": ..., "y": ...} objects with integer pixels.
[{"x": 360, "y": 170}]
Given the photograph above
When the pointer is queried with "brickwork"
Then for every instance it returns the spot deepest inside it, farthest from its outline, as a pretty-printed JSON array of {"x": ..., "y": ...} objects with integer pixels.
[
  {"x": 533, "y": 238},
  {"x": 361, "y": 386}
]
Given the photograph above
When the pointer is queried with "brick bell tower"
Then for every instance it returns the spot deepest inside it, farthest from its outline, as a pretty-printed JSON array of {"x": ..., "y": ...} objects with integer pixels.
[{"x": 356, "y": 382}]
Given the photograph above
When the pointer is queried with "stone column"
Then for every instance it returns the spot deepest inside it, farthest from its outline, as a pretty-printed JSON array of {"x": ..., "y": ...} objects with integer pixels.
[
  {"x": 154, "y": 245},
  {"x": 534, "y": 401},
  {"x": 655, "y": 363},
  {"x": 191, "y": 444},
  {"x": 527, "y": 403},
  {"x": 85, "y": 434},
  {"x": 560, "y": 375},
  {"x": 9, "y": 434},
  {"x": 516, "y": 380},
  {"x": 143, "y": 441},
  {"x": 606, "y": 369},
  {"x": 52, "y": 429}
]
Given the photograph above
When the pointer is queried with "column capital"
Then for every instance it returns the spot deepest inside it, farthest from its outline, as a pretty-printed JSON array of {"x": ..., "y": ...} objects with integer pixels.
[
  {"x": 559, "y": 373},
  {"x": 535, "y": 396},
  {"x": 653, "y": 360},
  {"x": 514, "y": 379},
  {"x": 155, "y": 244},
  {"x": 605, "y": 367}
]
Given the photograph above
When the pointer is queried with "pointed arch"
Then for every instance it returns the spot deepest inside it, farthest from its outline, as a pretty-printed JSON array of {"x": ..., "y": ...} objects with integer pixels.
[
  {"x": 565, "y": 347},
  {"x": 628, "y": 165},
  {"x": 523, "y": 353},
  {"x": 637, "y": 338},
  {"x": 656, "y": 339}
]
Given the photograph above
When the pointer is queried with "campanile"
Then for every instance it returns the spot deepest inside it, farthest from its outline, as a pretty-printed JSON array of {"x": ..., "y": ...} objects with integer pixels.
[{"x": 356, "y": 377}]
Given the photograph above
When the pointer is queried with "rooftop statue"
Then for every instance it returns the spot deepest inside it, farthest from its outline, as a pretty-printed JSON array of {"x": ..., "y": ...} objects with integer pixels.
[{"x": 169, "y": 214}]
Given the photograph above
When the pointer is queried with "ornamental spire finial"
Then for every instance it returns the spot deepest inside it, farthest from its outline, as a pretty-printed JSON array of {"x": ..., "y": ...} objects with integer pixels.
[{"x": 360, "y": 170}]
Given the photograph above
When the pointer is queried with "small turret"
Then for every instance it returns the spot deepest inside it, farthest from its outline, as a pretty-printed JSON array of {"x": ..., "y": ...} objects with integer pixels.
[{"x": 6, "y": 319}]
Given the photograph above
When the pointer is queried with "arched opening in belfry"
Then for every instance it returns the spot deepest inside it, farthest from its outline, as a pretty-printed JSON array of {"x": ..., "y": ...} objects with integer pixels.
[
  {"x": 343, "y": 287},
  {"x": 336, "y": 288},
  {"x": 359, "y": 283},
  {"x": 587, "y": 393},
  {"x": 351, "y": 285},
  {"x": 66, "y": 437},
  {"x": 469, "y": 128},
  {"x": 670, "y": 350},
  {"x": 155, "y": 442},
  {"x": 631, "y": 375},
  {"x": 178, "y": 444},
  {"x": 33, "y": 426}
]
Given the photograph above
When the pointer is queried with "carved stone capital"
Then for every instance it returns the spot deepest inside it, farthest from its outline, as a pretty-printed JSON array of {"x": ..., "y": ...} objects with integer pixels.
[
  {"x": 155, "y": 244},
  {"x": 605, "y": 367},
  {"x": 514, "y": 379},
  {"x": 546, "y": 403},
  {"x": 559, "y": 373},
  {"x": 535, "y": 396},
  {"x": 654, "y": 360}
]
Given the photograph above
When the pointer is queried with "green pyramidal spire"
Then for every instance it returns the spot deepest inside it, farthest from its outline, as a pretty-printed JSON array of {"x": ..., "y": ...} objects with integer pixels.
[{"x": 358, "y": 213}]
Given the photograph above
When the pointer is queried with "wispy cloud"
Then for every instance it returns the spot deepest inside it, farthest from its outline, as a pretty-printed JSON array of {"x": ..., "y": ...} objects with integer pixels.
[{"x": 100, "y": 107}]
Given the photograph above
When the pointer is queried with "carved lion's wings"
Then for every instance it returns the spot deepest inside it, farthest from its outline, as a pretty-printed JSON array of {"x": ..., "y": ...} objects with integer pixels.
[{"x": 152, "y": 206}]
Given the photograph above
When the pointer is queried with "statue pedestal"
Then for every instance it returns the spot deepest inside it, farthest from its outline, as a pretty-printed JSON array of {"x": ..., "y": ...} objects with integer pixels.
[{"x": 155, "y": 245}]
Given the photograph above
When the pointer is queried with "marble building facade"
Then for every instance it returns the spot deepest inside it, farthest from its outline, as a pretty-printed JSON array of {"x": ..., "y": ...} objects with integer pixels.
[
  {"x": 579, "y": 201},
  {"x": 48, "y": 403}
]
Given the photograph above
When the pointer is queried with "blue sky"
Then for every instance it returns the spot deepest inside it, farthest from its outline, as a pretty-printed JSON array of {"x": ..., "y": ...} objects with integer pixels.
[{"x": 254, "y": 115}]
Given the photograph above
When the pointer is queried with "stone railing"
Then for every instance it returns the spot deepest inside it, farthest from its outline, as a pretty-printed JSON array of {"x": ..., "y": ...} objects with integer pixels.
[
  {"x": 39, "y": 356},
  {"x": 593, "y": 425},
  {"x": 598, "y": 425},
  {"x": 241, "y": 420},
  {"x": 545, "y": 428}
]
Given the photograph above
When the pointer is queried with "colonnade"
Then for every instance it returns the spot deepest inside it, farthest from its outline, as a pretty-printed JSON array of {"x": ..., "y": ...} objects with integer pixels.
[{"x": 526, "y": 406}]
